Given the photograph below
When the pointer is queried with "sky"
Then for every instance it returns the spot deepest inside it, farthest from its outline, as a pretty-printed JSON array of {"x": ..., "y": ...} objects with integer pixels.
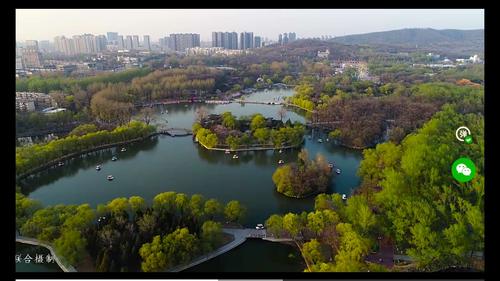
[{"x": 45, "y": 24}]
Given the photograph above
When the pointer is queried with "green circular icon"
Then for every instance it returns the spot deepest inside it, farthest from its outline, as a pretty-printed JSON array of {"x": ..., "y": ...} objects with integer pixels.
[
  {"x": 468, "y": 139},
  {"x": 463, "y": 169}
]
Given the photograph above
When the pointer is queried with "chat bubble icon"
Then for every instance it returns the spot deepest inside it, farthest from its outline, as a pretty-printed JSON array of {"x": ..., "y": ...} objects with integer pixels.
[
  {"x": 461, "y": 167},
  {"x": 466, "y": 172}
]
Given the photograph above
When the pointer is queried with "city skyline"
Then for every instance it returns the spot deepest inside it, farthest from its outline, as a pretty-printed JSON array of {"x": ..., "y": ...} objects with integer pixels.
[{"x": 40, "y": 24}]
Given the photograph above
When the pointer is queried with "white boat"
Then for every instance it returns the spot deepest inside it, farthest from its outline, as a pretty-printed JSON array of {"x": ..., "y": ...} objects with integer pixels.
[
  {"x": 98, "y": 167},
  {"x": 281, "y": 162},
  {"x": 114, "y": 158},
  {"x": 281, "y": 151},
  {"x": 344, "y": 197},
  {"x": 320, "y": 140},
  {"x": 235, "y": 156},
  {"x": 330, "y": 165},
  {"x": 123, "y": 149},
  {"x": 337, "y": 171},
  {"x": 259, "y": 226},
  {"x": 327, "y": 139},
  {"x": 110, "y": 177},
  {"x": 227, "y": 151},
  {"x": 60, "y": 164}
]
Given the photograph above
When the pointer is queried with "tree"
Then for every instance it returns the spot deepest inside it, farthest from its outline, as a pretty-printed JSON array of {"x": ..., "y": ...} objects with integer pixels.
[
  {"x": 258, "y": 121},
  {"x": 288, "y": 80},
  {"x": 137, "y": 203},
  {"x": 282, "y": 113},
  {"x": 353, "y": 248},
  {"x": 71, "y": 245},
  {"x": 201, "y": 113},
  {"x": 196, "y": 205},
  {"x": 147, "y": 114},
  {"x": 229, "y": 121},
  {"x": 212, "y": 208},
  {"x": 118, "y": 205},
  {"x": 147, "y": 224},
  {"x": 360, "y": 214},
  {"x": 233, "y": 142},
  {"x": 262, "y": 135},
  {"x": 153, "y": 256},
  {"x": 211, "y": 235},
  {"x": 313, "y": 252},
  {"x": 274, "y": 225},
  {"x": 83, "y": 130},
  {"x": 234, "y": 211},
  {"x": 292, "y": 224}
]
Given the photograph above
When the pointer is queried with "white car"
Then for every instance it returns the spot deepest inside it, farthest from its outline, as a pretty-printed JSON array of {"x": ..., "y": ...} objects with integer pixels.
[{"x": 259, "y": 226}]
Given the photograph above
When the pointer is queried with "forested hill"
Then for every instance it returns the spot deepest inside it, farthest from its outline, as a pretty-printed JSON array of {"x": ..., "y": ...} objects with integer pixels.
[{"x": 446, "y": 39}]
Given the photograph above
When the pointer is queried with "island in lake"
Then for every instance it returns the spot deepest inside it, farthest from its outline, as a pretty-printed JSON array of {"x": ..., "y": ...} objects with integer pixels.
[
  {"x": 305, "y": 177},
  {"x": 226, "y": 132}
]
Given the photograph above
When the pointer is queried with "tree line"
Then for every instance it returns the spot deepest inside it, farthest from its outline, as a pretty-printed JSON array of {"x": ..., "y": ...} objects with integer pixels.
[
  {"x": 128, "y": 235},
  {"x": 303, "y": 178},
  {"x": 226, "y": 130},
  {"x": 30, "y": 157}
]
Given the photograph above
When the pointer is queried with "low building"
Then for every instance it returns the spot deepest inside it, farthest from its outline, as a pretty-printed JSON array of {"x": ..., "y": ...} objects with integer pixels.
[
  {"x": 324, "y": 55},
  {"x": 27, "y": 102}
]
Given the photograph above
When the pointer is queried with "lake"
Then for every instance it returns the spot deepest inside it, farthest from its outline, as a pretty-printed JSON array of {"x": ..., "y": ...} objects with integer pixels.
[{"x": 178, "y": 164}]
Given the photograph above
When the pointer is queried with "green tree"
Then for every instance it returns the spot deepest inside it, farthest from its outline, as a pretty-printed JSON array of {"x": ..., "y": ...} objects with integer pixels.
[
  {"x": 234, "y": 211},
  {"x": 233, "y": 142},
  {"x": 83, "y": 130},
  {"x": 262, "y": 135},
  {"x": 71, "y": 245},
  {"x": 212, "y": 208},
  {"x": 229, "y": 121},
  {"x": 292, "y": 224},
  {"x": 137, "y": 203},
  {"x": 313, "y": 252},
  {"x": 211, "y": 235},
  {"x": 258, "y": 121},
  {"x": 118, "y": 205},
  {"x": 274, "y": 225}
]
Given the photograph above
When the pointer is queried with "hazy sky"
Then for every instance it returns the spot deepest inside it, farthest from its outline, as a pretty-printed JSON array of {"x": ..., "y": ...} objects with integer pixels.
[{"x": 48, "y": 23}]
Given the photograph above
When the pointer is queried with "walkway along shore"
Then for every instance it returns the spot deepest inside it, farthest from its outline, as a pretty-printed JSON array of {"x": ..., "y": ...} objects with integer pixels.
[
  {"x": 32, "y": 241},
  {"x": 75, "y": 154},
  {"x": 247, "y": 149},
  {"x": 240, "y": 235}
]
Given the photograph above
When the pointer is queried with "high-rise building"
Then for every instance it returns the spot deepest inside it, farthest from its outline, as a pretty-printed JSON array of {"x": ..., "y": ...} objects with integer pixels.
[
  {"x": 100, "y": 43},
  {"x": 129, "y": 43},
  {"x": 257, "y": 42},
  {"x": 233, "y": 41},
  {"x": 84, "y": 44},
  {"x": 120, "y": 42},
  {"x": 64, "y": 45},
  {"x": 112, "y": 37},
  {"x": 181, "y": 41},
  {"x": 285, "y": 38},
  {"x": 146, "y": 44},
  {"x": 45, "y": 46},
  {"x": 31, "y": 57},
  {"x": 280, "y": 39},
  {"x": 246, "y": 40},
  {"x": 135, "y": 42},
  {"x": 19, "y": 63},
  {"x": 227, "y": 40},
  {"x": 291, "y": 36}
]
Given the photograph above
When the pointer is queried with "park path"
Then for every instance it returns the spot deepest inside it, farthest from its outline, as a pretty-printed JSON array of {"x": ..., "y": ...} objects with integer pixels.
[
  {"x": 239, "y": 235},
  {"x": 32, "y": 241}
]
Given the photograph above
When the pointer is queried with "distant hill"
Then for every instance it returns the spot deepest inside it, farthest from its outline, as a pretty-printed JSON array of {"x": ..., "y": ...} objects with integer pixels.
[{"x": 446, "y": 40}]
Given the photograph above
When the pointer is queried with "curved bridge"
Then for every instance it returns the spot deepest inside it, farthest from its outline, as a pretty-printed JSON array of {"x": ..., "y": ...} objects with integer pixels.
[{"x": 175, "y": 132}]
